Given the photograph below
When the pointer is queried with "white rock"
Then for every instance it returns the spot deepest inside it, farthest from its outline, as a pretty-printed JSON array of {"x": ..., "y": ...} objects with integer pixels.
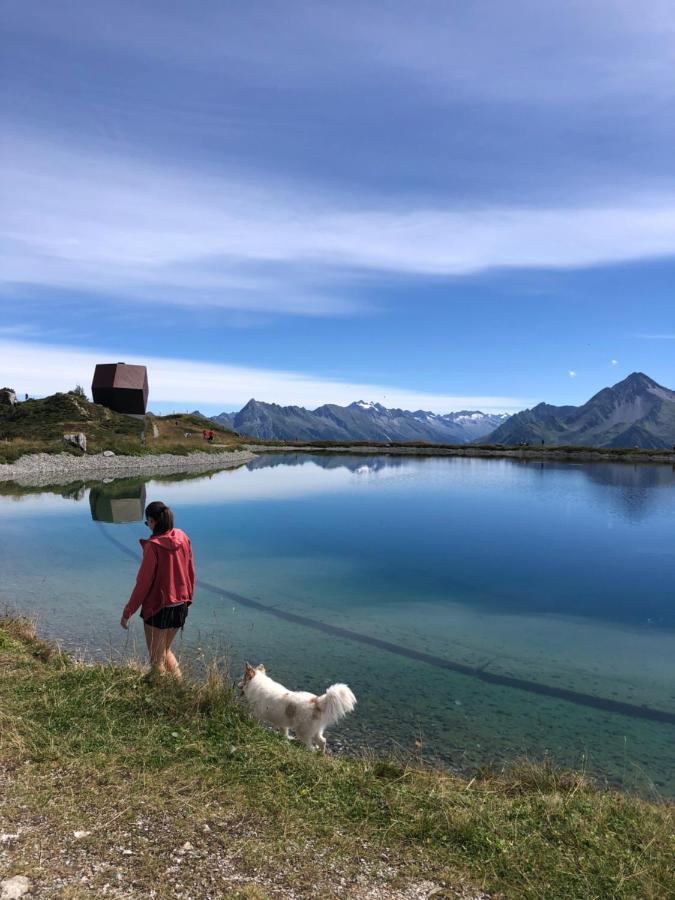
[
  {"x": 81, "y": 834},
  {"x": 108, "y": 452},
  {"x": 187, "y": 846},
  {"x": 6, "y": 838},
  {"x": 14, "y": 888},
  {"x": 78, "y": 439}
]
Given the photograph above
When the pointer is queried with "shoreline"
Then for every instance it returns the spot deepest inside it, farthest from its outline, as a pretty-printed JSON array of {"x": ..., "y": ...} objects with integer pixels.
[
  {"x": 35, "y": 469},
  {"x": 97, "y": 763},
  {"x": 566, "y": 454}
]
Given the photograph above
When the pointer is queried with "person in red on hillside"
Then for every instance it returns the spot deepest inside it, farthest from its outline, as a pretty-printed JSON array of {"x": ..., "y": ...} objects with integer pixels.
[{"x": 164, "y": 587}]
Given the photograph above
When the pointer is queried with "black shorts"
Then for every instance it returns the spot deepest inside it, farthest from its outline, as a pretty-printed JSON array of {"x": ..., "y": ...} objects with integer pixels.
[{"x": 173, "y": 616}]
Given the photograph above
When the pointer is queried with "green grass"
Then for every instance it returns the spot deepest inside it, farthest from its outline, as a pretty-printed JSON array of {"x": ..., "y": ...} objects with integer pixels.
[
  {"x": 38, "y": 426},
  {"x": 98, "y": 748}
]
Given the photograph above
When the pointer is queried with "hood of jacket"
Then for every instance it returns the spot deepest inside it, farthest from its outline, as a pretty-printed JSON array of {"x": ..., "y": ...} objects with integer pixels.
[{"x": 171, "y": 540}]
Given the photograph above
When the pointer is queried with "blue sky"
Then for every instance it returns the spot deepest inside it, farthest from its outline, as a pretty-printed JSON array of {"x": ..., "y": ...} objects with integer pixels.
[{"x": 430, "y": 204}]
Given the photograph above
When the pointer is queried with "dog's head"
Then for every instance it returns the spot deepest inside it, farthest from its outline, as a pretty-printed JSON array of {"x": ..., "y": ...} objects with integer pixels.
[{"x": 249, "y": 674}]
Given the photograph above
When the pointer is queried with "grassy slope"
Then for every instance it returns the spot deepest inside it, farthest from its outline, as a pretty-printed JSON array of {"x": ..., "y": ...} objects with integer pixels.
[
  {"x": 38, "y": 426},
  {"x": 145, "y": 768}
]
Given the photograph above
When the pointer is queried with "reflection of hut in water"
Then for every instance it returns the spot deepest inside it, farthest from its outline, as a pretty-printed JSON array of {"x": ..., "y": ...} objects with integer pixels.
[{"x": 122, "y": 502}]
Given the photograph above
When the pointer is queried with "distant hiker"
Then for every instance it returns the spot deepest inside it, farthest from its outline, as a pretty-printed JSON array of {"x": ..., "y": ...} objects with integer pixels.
[
  {"x": 205, "y": 434},
  {"x": 210, "y": 437},
  {"x": 164, "y": 587}
]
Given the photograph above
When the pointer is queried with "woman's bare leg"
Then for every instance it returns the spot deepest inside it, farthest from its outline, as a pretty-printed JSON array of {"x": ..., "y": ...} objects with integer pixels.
[
  {"x": 162, "y": 659},
  {"x": 156, "y": 649},
  {"x": 170, "y": 661}
]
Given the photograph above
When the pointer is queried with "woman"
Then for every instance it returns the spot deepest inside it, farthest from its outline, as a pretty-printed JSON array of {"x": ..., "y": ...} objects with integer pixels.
[{"x": 164, "y": 587}]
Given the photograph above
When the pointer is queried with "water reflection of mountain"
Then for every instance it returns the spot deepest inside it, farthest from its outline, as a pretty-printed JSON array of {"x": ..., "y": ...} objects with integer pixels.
[
  {"x": 332, "y": 461},
  {"x": 635, "y": 488},
  {"x": 118, "y": 502}
]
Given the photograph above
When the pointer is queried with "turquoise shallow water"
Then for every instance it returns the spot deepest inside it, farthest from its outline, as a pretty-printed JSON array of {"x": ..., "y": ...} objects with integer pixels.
[{"x": 548, "y": 589}]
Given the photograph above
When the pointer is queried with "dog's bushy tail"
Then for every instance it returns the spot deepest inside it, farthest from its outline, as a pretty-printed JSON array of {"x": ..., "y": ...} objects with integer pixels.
[{"x": 336, "y": 703}]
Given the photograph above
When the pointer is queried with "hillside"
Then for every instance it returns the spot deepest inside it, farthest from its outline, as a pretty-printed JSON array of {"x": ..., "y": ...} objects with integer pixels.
[
  {"x": 111, "y": 785},
  {"x": 359, "y": 421},
  {"x": 636, "y": 412},
  {"x": 38, "y": 426}
]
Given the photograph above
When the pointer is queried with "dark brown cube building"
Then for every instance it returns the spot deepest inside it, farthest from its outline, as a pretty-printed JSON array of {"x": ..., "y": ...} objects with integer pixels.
[{"x": 121, "y": 388}]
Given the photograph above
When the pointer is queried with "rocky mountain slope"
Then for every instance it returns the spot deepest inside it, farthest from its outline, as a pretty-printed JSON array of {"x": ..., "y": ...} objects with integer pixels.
[
  {"x": 359, "y": 421},
  {"x": 636, "y": 412}
]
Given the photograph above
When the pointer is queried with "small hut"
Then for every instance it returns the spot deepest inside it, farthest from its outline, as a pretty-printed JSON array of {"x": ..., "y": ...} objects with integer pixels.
[{"x": 121, "y": 388}]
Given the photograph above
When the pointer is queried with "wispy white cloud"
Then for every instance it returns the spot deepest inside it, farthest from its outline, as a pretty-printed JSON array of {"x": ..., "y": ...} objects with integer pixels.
[
  {"x": 615, "y": 362},
  {"x": 83, "y": 221},
  {"x": 41, "y": 369},
  {"x": 572, "y": 373},
  {"x": 656, "y": 337}
]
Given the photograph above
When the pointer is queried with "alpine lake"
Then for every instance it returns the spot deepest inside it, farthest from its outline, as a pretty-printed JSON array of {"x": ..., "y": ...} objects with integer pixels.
[{"x": 480, "y": 609}]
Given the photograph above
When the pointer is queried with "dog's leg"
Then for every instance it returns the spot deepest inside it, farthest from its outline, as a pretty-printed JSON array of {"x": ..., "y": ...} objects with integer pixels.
[
  {"x": 285, "y": 733},
  {"x": 307, "y": 739},
  {"x": 320, "y": 742}
]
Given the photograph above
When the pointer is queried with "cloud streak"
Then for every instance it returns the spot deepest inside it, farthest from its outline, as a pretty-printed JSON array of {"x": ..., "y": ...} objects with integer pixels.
[
  {"x": 75, "y": 219},
  {"x": 191, "y": 383},
  {"x": 656, "y": 337}
]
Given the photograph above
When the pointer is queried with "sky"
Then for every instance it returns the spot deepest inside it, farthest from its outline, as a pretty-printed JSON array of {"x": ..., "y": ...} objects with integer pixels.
[{"x": 437, "y": 205}]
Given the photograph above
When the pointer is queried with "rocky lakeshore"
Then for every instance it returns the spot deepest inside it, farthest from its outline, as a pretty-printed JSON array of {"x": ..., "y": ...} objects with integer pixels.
[{"x": 45, "y": 468}]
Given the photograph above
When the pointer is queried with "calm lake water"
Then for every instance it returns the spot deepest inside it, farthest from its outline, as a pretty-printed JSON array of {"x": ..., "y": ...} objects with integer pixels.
[{"x": 479, "y": 609}]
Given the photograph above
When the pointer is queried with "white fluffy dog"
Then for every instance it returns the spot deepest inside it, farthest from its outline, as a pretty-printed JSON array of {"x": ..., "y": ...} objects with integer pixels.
[{"x": 299, "y": 711}]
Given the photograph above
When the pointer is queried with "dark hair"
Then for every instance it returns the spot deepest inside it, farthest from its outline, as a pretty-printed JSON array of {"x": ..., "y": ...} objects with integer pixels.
[{"x": 162, "y": 515}]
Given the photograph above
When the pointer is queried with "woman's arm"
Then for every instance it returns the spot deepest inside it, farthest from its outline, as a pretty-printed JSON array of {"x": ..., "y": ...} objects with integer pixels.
[
  {"x": 144, "y": 580},
  {"x": 191, "y": 569}
]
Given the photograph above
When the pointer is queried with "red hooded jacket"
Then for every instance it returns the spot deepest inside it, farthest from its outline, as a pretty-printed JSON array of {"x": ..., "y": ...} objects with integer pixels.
[{"x": 166, "y": 575}]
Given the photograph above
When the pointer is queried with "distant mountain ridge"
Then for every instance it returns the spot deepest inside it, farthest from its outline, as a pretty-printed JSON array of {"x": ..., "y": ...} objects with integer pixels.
[
  {"x": 360, "y": 421},
  {"x": 635, "y": 412}
]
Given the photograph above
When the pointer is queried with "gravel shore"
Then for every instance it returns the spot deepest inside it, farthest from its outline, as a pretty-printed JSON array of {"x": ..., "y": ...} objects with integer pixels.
[{"x": 45, "y": 468}]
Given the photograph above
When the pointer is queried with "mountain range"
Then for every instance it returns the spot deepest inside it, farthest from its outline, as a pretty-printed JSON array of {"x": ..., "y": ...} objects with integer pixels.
[
  {"x": 636, "y": 412},
  {"x": 360, "y": 421}
]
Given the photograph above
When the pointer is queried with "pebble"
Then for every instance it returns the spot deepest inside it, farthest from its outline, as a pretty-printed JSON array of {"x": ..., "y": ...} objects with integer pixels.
[
  {"x": 45, "y": 468},
  {"x": 14, "y": 888},
  {"x": 81, "y": 834}
]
